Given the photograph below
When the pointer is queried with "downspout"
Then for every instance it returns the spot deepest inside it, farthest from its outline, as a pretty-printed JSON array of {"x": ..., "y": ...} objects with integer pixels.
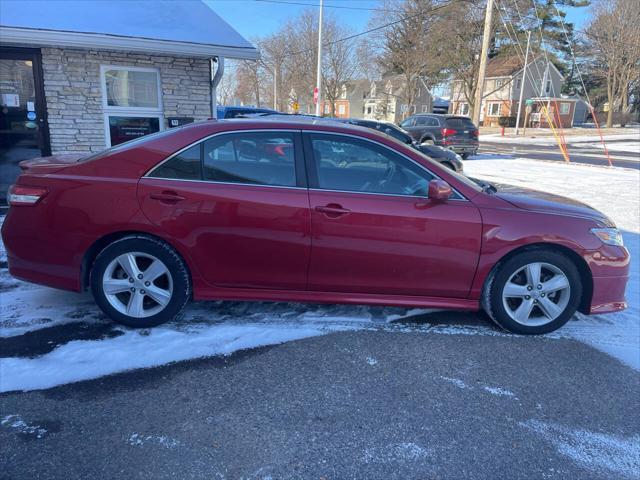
[{"x": 216, "y": 77}]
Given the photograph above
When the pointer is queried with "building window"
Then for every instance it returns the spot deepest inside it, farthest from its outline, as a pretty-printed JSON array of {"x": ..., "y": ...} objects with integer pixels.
[
  {"x": 463, "y": 109},
  {"x": 565, "y": 107},
  {"x": 494, "y": 109},
  {"x": 343, "y": 93},
  {"x": 518, "y": 83},
  {"x": 548, "y": 87},
  {"x": 132, "y": 102},
  {"x": 499, "y": 83},
  {"x": 425, "y": 108},
  {"x": 326, "y": 108},
  {"x": 341, "y": 109}
]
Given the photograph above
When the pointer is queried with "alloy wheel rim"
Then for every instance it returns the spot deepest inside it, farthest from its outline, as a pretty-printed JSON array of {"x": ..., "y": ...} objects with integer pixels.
[
  {"x": 536, "y": 294},
  {"x": 137, "y": 284}
]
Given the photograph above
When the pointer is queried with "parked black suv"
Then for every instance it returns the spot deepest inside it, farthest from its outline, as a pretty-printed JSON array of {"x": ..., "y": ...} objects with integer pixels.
[
  {"x": 450, "y": 131},
  {"x": 442, "y": 155}
]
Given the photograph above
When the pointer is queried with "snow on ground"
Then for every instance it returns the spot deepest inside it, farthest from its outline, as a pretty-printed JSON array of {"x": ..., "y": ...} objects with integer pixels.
[
  {"x": 615, "y": 192},
  {"x": 631, "y": 147},
  {"x": 219, "y": 328},
  {"x": 633, "y": 135}
]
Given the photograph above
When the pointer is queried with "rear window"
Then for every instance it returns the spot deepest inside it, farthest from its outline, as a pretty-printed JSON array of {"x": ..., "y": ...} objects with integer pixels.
[{"x": 460, "y": 122}]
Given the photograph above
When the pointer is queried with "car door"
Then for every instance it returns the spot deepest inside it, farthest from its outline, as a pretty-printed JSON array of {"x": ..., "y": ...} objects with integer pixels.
[
  {"x": 375, "y": 231},
  {"x": 238, "y": 203}
]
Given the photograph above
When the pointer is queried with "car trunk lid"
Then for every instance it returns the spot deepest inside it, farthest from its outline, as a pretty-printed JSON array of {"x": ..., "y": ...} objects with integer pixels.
[
  {"x": 460, "y": 130},
  {"x": 50, "y": 164}
]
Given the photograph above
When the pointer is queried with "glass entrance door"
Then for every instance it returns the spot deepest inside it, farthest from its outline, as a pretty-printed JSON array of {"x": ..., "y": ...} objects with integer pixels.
[{"x": 23, "y": 132}]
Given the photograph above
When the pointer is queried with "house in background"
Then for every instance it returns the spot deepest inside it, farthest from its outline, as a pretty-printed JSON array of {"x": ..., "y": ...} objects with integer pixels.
[
  {"x": 503, "y": 82},
  {"x": 383, "y": 101},
  {"x": 80, "y": 76}
]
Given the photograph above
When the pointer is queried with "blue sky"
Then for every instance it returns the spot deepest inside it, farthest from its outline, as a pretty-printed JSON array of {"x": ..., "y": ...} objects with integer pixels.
[{"x": 253, "y": 18}]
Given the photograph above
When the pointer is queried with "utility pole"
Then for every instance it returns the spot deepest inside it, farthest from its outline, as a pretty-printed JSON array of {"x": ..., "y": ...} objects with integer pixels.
[
  {"x": 275, "y": 87},
  {"x": 486, "y": 36},
  {"x": 524, "y": 79},
  {"x": 319, "y": 74}
]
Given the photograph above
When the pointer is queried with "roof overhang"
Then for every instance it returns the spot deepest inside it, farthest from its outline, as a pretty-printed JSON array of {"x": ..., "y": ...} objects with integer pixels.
[{"x": 55, "y": 38}]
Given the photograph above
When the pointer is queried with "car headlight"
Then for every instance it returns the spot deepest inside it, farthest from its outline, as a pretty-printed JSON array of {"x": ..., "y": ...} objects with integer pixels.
[{"x": 610, "y": 236}]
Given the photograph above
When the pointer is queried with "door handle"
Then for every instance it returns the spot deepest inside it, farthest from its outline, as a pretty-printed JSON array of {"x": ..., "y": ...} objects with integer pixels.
[
  {"x": 332, "y": 210},
  {"x": 167, "y": 197}
]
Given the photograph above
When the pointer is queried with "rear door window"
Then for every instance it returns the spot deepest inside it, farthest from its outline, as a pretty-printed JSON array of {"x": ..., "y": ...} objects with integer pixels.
[
  {"x": 255, "y": 158},
  {"x": 460, "y": 123},
  {"x": 182, "y": 166}
]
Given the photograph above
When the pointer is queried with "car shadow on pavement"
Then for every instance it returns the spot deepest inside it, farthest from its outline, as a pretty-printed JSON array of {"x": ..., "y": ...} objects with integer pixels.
[{"x": 45, "y": 340}]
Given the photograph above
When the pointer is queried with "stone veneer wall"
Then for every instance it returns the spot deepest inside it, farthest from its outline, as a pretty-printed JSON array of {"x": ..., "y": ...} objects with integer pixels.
[{"x": 73, "y": 92}]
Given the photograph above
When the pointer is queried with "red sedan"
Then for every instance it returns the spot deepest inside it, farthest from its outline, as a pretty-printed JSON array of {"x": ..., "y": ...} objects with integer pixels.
[{"x": 308, "y": 212}]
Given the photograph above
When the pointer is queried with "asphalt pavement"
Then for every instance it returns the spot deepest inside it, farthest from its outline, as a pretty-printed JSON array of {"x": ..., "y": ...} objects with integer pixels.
[
  {"x": 579, "y": 152},
  {"x": 349, "y": 405}
]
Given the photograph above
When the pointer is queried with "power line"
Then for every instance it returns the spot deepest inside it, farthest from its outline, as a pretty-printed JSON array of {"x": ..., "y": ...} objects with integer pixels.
[{"x": 380, "y": 27}]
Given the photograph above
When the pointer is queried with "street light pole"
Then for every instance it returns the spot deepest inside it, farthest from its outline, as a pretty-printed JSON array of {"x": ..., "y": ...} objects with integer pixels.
[
  {"x": 486, "y": 36},
  {"x": 319, "y": 73},
  {"x": 524, "y": 79}
]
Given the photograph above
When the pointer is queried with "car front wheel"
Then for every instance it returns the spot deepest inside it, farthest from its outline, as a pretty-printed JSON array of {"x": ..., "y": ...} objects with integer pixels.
[
  {"x": 533, "y": 292},
  {"x": 140, "y": 282}
]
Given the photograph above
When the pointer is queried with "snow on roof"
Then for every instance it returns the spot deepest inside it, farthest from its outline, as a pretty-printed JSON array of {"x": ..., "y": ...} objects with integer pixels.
[{"x": 187, "y": 26}]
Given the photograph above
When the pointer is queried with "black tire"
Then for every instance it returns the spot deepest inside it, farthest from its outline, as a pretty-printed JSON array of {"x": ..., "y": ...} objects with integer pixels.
[
  {"x": 428, "y": 141},
  {"x": 465, "y": 155},
  {"x": 181, "y": 282},
  {"x": 492, "y": 296}
]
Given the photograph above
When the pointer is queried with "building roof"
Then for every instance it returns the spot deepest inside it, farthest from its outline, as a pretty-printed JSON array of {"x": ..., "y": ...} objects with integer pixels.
[
  {"x": 186, "y": 27},
  {"x": 503, "y": 66}
]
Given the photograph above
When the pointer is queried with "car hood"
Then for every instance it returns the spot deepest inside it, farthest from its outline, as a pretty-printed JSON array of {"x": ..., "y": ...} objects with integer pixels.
[{"x": 534, "y": 200}]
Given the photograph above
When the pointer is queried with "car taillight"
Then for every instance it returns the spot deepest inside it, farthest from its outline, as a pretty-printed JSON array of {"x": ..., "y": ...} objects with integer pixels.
[
  {"x": 447, "y": 132},
  {"x": 22, "y": 195},
  {"x": 476, "y": 133}
]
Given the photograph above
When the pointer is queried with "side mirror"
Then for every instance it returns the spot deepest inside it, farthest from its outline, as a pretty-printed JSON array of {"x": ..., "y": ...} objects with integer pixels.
[{"x": 439, "y": 190}]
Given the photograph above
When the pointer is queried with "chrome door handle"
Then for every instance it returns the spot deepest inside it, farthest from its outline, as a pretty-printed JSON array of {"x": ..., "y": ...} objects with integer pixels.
[
  {"x": 332, "y": 210},
  {"x": 167, "y": 197}
]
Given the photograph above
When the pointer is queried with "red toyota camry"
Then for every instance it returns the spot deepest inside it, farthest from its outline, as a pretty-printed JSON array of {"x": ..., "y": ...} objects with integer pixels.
[{"x": 305, "y": 211}]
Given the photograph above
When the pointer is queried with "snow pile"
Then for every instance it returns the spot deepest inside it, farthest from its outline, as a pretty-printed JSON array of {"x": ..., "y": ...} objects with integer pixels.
[{"x": 616, "y": 193}]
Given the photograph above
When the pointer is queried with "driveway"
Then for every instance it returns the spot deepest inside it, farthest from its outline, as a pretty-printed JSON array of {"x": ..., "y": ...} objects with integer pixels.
[{"x": 369, "y": 404}]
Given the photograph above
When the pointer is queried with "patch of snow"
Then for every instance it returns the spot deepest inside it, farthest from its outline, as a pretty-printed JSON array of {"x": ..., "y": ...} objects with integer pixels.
[
  {"x": 15, "y": 422},
  {"x": 617, "y": 334},
  {"x": 632, "y": 147},
  {"x": 372, "y": 361},
  {"x": 456, "y": 381},
  {"x": 612, "y": 456},
  {"x": 632, "y": 135},
  {"x": 137, "y": 439},
  {"x": 395, "y": 453},
  {"x": 500, "y": 392},
  {"x": 87, "y": 359}
]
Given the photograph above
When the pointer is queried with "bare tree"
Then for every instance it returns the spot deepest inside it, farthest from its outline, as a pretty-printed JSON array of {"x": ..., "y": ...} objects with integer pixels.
[
  {"x": 614, "y": 38},
  {"x": 408, "y": 49}
]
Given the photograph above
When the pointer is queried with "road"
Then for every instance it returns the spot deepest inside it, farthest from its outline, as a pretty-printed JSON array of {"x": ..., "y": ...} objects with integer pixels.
[
  {"x": 351, "y": 405},
  {"x": 585, "y": 152}
]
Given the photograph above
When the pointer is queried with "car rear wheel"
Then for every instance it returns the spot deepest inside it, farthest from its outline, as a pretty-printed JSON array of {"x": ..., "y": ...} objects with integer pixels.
[
  {"x": 140, "y": 282},
  {"x": 464, "y": 155},
  {"x": 533, "y": 292}
]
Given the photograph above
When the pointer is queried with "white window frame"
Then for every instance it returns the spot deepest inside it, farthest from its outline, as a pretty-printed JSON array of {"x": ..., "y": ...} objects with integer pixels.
[
  {"x": 563, "y": 106},
  {"x": 489, "y": 114},
  {"x": 137, "y": 112},
  {"x": 342, "y": 109},
  {"x": 463, "y": 108}
]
